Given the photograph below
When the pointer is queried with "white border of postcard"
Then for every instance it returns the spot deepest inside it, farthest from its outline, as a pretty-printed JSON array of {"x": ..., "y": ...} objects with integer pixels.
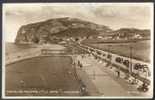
[{"x": 85, "y": 97}]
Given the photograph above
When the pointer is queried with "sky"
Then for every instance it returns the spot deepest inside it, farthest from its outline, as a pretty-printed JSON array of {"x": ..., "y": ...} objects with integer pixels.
[{"x": 114, "y": 15}]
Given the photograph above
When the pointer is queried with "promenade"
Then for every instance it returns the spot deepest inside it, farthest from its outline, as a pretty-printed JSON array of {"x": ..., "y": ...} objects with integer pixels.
[{"x": 105, "y": 81}]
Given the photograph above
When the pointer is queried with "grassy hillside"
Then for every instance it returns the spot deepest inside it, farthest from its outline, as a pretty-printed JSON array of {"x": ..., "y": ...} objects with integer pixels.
[{"x": 69, "y": 27}]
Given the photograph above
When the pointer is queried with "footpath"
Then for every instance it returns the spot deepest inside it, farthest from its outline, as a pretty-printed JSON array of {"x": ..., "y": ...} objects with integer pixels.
[{"x": 104, "y": 80}]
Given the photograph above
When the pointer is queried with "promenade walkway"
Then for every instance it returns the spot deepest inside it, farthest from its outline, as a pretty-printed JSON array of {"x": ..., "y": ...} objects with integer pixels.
[{"x": 105, "y": 81}]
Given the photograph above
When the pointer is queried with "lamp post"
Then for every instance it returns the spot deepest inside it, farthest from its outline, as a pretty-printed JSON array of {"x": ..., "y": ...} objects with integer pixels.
[
  {"x": 109, "y": 56},
  {"x": 130, "y": 64},
  {"x": 130, "y": 67},
  {"x": 134, "y": 81}
]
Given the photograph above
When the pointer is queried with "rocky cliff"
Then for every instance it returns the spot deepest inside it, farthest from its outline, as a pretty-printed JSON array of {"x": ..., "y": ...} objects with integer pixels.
[{"x": 59, "y": 28}]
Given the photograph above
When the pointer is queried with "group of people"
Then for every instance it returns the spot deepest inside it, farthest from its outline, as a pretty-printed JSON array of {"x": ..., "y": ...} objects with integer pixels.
[{"x": 143, "y": 87}]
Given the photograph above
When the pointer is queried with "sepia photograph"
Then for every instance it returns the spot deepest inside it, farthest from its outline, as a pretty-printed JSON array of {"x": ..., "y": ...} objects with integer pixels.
[{"x": 77, "y": 50}]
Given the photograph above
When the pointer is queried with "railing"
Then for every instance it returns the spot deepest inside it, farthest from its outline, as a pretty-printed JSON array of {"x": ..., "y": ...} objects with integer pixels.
[
  {"x": 50, "y": 51},
  {"x": 139, "y": 69}
]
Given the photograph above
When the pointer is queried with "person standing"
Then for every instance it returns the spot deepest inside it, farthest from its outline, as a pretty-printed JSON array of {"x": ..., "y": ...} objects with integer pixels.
[{"x": 118, "y": 72}]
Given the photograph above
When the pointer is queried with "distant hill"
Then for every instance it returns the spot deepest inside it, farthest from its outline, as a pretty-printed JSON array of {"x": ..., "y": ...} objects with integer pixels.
[
  {"x": 55, "y": 30},
  {"x": 66, "y": 27},
  {"x": 130, "y": 33}
]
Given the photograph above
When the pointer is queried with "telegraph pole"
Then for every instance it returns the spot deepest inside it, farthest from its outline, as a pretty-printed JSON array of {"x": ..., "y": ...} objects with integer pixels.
[
  {"x": 130, "y": 64},
  {"x": 130, "y": 67},
  {"x": 109, "y": 54}
]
